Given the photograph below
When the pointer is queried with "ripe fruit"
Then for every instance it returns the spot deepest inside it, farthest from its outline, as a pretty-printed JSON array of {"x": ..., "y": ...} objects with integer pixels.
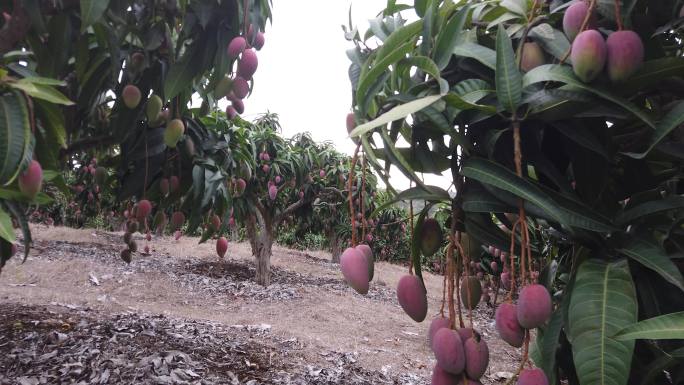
[
  {"x": 126, "y": 255},
  {"x": 494, "y": 266},
  {"x": 231, "y": 113},
  {"x": 272, "y": 192},
  {"x": 351, "y": 122},
  {"x": 532, "y": 377},
  {"x": 259, "y": 41},
  {"x": 465, "y": 333},
  {"x": 534, "y": 306},
  {"x": 412, "y": 297},
  {"x": 136, "y": 62},
  {"x": 625, "y": 55},
  {"x": 173, "y": 132},
  {"x": 236, "y": 47},
  {"x": 448, "y": 349},
  {"x": 100, "y": 175},
  {"x": 240, "y": 87},
  {"x": 532, "y": 57},
  {"x": 436, "y": 324},
  {"x": 144, "y": 208},
  {"x": 588, "y": 55},
  {"x": 164, "y": 186},
  {"x": 159, "y": 220},
  {"x": 430, "y": 237},
  {"x": 354, "y": 266},
  {"x": 174, "y": 183},
  {"x": 574, "y": 17},
  {"x": 215, "y": 222},
  {"x": 265, "y": 156},
  {"x": 506, "y": 321},
  {"x": 442, "y": 377},
  {"x": 131, "y": 96},
  {"x": 237, "y": 104},
  {"x": 240, "y": 186},
  {"x": 223, "y": 87},
  {"x": 153, "y": 108},
  {"x": 321, "y": 173},
  {"x": 266, "y": 168},
  {"x": 248, "y": 64},
  {"x": 177, "y": 220},
  {"x": 368, "y": 253},
  {"x": 471, "y": 291},
  {"x": 476, "y": 356},
  {"x": 221, "y": 246},
  {"x": 31, "y": 180}
]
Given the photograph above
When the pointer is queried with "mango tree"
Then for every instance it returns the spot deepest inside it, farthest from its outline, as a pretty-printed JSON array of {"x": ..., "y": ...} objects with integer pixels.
[
  {"x": 114, "y": 80},
  {"x": 559, "y": 123}
]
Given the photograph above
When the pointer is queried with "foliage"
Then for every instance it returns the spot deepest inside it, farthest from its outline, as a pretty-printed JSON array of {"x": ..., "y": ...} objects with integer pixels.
[{"x": 600, "y": 162}]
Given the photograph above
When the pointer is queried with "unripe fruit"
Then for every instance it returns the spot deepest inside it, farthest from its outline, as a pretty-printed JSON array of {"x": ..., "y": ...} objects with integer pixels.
[
  {"x": 266, "y": 168},
  {"x": 265, "y": 156},
  {"x": 240, "y": 186},
  {"x": 146, "y": 249},
  {"x": 442, "y": 377},
  {"x": 471, "y": 291},
  {"x": 533, "y": 376},
  {"x": 368, "y": 253},
  {"x": 91, "y": 196},
  {"x": 430, "y": 237},
  {"x": 215, "y": 222},
  {"x": 174, "y": 183},
  {"x": 221, "y": 247},
  {"x": 248, "y": 64},
  {"x": 301, "y": 195},
  {"x": 223, "y": 87},
  {"x": 173, "y": 132},
  {"x": 144, "y": 209},
  {"x": 164, "y": 186},
  {"x": 471, "y": 246},
  {"x": 476, "y": 356},
  {"x": 534, "y": 306},
  {"x": 506, "y": 321},
  {"x": 127, "y": 238},
  {"x": 625, "y": 55},
  {"x": 133, "y": 246},
  {"x": 354, "y": 266},
  {"x": 153, "y": 108},
  {"x": 532, "y": 56},
  {"x": 177, "y": 220},
  {"x": 436, "y": 324},
  {"x": 131, "y": 96},
  {"x": 494, "y": 266},
  {"x": 236, "y": 47},
  {"x": 321, "y": 173},
  {"x": 126, "y": 255},
  {"x": 136, "y": 62},
  {"x": 588, "y": 55},
  {"x": 278, "y": 179},
  {"x": 231, "y": 113},
  {"x": 351, "y": 122},
  {"x": 240, "y": 87},
  {"x": 159, "y": 220},
  {"x": 238, "y": 105},
  {"x": 259, "y": 41},
  {"x": 148, "y": 236},
  {"x": 31, "y": 180},
  {"x": 574, "y": 18},
  {"x": 100, "y": 175},
  {"x": 480, "y": 275},
  {"x": 412, "y": 297},
  {"x": 448, "y": 349}
]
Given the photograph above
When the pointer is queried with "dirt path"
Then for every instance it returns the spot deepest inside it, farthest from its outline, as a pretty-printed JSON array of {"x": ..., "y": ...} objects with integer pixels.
[{"x": 308, "y": 300}]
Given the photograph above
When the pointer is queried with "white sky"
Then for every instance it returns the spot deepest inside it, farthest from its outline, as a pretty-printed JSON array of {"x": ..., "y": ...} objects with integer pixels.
[{"x": 302, "y": 73}]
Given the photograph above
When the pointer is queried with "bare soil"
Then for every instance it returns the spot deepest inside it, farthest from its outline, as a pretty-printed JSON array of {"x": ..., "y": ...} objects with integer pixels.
[{"x": 187, "y": 317}]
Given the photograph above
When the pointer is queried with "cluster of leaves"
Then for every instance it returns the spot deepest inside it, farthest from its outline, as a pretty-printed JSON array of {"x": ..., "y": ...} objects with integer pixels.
[
  {"x": 601, "y": 170},
  {"x": 64, "y": 67}
]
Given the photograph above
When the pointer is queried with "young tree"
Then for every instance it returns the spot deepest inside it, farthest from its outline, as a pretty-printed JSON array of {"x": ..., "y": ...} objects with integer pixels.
[{"x": 559, "y": 124}]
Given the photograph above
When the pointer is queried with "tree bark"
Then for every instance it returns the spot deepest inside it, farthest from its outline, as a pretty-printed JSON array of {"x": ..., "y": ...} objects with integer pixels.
[
  {"x": 263, "y": 258},
  {"x": 335, "y": 248}
]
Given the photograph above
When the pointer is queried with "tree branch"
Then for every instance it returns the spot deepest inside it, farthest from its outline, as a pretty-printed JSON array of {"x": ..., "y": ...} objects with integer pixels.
[
  {"x": 288, "y": 211},
  {"x": 89, "y": 142}
]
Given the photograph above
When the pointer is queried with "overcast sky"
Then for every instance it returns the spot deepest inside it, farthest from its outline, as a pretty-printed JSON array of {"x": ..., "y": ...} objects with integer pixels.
[{"x": 302, "y": 73}]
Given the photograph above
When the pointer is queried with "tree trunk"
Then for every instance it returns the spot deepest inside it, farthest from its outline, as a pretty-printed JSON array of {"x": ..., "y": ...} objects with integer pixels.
[
  {"x": 335, "y": 248},
  {"x": 262, "y": 253}
]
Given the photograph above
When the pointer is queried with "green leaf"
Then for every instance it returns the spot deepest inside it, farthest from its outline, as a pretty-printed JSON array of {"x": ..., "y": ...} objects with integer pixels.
[
  {"x": 672, "y": 120},
  {"x": 516, "y": 6},
  {"x": 484, "y": 55},
  {"x": 560, "y": 209},
  {"x": 466, "y": 93},
  {"x": 582, "y": 136},
  {"x": 551, "y": 40},
  {"x": 428, "y": 66},
  {"x": 648, "y": 208},
  {"x": 369, "y": 77},
  {"x": 664, "y": 327},
  {"x": 43, "y": 92},
  {"x": 396, "y": 113},
  {"x": 431, "y": 194},
  {"x": 564, "y": 74},
  {"x": 603, "y": 301},
  {"x": 15, "y": 135},
  {"x": 449, "y": 37},
  {"x": 181, "y": 73},
  {"x": 6, "y": 228},
  {"x": 508, "y": 78},
  {"x": 651, "y": 73},
  {"x": 91, "y": 11},
  {"x": 653, "y": 257}
]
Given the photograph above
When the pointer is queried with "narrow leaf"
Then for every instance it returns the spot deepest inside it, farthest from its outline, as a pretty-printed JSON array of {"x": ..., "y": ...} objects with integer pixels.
[
  {"x": 664, "y": 327},
  {"x": 508, "y": 78},
  {"x": 653, "y": 257},
  {"x": 396, "y": 113},
  {"x": 91, "y": 11}
]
